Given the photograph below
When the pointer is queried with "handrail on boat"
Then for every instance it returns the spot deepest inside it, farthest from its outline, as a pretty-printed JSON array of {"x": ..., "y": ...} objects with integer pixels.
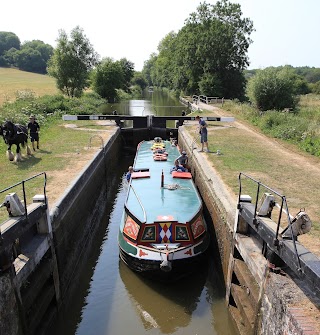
[{"x": 140, "y": 203}]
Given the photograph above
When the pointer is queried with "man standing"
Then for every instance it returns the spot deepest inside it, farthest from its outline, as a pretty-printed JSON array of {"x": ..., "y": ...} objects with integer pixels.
[
  {"x": 203, "y": 133},
  {"x": 33, "y": 127}
]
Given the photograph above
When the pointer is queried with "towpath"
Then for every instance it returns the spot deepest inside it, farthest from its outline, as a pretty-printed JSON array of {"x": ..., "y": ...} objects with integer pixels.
[{"x": 294, "y": 174}]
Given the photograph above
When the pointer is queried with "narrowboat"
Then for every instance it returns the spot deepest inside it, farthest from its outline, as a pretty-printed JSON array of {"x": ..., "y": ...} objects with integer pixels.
[{"x": 162, "y": 232}]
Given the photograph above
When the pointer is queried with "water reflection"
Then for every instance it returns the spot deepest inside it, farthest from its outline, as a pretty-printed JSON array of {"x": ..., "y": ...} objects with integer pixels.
[
  {"x": 167, "y": 307},
  {"x": 159, "y": 103}
]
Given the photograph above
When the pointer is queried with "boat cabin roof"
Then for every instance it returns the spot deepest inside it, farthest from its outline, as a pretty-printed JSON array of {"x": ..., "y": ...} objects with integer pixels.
[{"x": 177, "y": 201}]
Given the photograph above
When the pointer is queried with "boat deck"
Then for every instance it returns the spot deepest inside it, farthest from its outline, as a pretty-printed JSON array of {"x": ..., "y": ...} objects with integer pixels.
[{"x": 161, "y": 204}]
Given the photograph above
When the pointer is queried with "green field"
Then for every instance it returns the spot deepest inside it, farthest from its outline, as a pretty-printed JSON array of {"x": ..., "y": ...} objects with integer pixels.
[{"x": 13, "y": 81}]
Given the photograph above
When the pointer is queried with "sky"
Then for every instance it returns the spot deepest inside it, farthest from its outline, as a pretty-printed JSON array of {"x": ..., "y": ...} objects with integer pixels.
[{"x": 286, "y": 31}]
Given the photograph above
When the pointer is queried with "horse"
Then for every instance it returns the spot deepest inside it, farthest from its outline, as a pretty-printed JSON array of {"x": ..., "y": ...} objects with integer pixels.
[{"x": 15, "y": 134}]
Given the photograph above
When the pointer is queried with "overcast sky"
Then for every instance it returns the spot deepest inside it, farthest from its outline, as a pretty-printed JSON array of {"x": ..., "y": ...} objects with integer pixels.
[{"x": 287, "y": 31}]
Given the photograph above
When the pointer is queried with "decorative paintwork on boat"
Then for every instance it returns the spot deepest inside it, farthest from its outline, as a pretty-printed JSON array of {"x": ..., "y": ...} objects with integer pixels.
[{"x": 162, "y": 230}]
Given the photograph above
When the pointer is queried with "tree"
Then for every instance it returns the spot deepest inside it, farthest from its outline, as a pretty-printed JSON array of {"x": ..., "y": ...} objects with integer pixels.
[
  {"x": 128, "y": 72},
  {"x": 46, "y": 50},
  {"x": 33, "y": 56},
  {"x": 272, "y": 88},
  {"x": 30, "y": 60},
  {"x": 8, "y": 40},
  {"x": 163, "y": 70},
  {"x": 72, "y": 62},
  {"x": 210, "y": 85},
  {"x": 140, "y": 80},
  {"x": 106, "y": 78},
  {"x": 147, "y": 68},
  {"x": 210, "y": 49}
]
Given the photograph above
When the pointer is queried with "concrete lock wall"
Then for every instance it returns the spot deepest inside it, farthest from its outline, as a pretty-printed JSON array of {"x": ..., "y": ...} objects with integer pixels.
[
  {"x": 259, "y": 301},
  {"x": 73, "y": 217},
  {"x": 9, "y": 315}
]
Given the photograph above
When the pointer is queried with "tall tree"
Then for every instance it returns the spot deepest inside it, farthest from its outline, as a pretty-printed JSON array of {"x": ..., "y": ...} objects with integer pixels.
[
  {"x": 33, "y": 56},
  {"x": 209, "y": 53},
  {"x": 163, "y": 71},
  {"x": 128, "y": 72},
  {"x": 106, "y": 78},
  {"x": 72, "y": 62},
  {"x": 147, "y": 68},
  {"x": 8, "y": 40}
]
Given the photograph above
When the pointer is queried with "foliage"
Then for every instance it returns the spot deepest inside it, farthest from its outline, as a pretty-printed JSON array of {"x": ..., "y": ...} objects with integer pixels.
[
  {"x": 72, "y": 62},
  {"x": 300, "y": 127},
  {"x": 139, "y": 80},
  {"x": 161, "y": 74},
  {"x": 31, "y": 56},
  {"x": 128, "y": 73},
  {"x": 147, "y": 68},
  {"x": 48, "y": 106},
  {"x": 106, "y": 78},
  {"x": 315, "y": 88},
  {"x": 8, "y": 40},
  {"x": 272, "y": 88},
  {"x": 207, "y": 56},
  {"x": 310, "y": 74},
  {"x": 136, "y": 92},
  {"x": 210, "y": 85}
]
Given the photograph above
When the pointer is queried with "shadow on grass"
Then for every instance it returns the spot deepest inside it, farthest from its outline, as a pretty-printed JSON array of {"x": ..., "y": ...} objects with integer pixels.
[
  {"x": 44, "y": 151},
  {"x": 28, "y": 162}
]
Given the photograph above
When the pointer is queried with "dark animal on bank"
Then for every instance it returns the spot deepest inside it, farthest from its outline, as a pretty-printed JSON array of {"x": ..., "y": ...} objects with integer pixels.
[{"x": 15, "y": 134}]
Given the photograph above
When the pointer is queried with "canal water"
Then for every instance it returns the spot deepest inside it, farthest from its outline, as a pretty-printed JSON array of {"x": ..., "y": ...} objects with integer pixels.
[{"x": 110, "y": 299}]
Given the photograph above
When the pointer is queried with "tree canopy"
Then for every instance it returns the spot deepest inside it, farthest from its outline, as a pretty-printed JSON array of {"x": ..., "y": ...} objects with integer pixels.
[
  {"x": 106, "y": 78},
  {"x": 8, "y": 40},
  {"x": 30, "y": 56},
  {"x": 208, "y": 55},
  {"x": 109, "y": 76},
  {"x": 72, "y": 61},
  {"x": 33, "y": 56}
]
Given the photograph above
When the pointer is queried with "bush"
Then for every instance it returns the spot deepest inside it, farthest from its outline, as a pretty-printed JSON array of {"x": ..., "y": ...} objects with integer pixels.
[
  {"x": 311, "y": 144},
  {"x": 48, "y": 106},
  {"x": 286, "y": 126},
  {"x": 272, "y": 89}
]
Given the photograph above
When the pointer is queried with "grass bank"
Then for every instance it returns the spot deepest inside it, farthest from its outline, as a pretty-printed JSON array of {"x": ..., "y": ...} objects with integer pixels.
[
  {"x": 279, "y": 164},
  {"x": 62, "y": 150},
  {"x": 300, "y": 127},
  {"x": 12, "y": 81}
]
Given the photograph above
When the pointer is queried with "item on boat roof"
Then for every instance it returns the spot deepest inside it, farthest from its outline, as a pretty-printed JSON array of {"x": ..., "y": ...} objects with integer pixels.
[
  {"x": 183, "y": 175},
  {"x": 160, "y": 157},
  {"x": 140, "y": 174},
  {"x": 175, "y": 187}
]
